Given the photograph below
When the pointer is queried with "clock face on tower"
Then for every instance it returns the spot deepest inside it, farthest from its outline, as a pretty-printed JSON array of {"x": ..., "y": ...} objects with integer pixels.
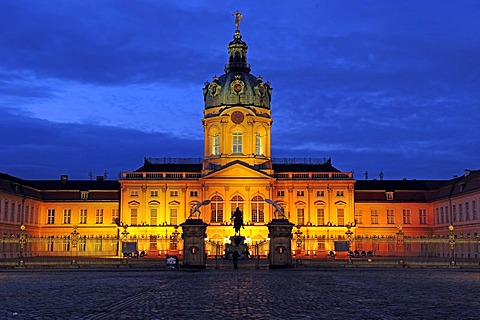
[{"x": 237, "y": 117}]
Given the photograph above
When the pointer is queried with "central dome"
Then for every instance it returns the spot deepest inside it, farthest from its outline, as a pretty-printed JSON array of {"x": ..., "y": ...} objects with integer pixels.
[{"x": 237, "y": 87}]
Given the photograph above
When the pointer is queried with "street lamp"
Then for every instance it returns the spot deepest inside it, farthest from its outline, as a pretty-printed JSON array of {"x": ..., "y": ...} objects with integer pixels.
[
  {"x": 451, "y": 242},
  {"x": 174, "y": 239},
  {"x": 22, "y": 241},
  {"x": 125, "y": 233}
]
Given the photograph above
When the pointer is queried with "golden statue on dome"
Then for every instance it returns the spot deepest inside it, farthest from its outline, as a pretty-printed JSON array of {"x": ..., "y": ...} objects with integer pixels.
[{"x": 238, "y": 17}]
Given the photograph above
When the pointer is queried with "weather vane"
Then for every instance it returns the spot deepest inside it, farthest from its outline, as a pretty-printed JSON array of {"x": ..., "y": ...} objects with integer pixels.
[{"x": 238, "y": 17}]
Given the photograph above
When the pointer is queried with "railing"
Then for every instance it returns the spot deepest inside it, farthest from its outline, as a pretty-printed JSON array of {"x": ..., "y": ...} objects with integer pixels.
[
  {"x": 161, "y": 175},
  {"x": 314, "y": 175}
]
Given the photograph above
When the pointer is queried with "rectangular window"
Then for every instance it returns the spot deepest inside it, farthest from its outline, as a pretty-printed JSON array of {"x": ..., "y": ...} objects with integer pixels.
[
  {"x": 153, "y": 216},
  {"x": 300, "y": 193},
  {"x": 98, "y": 246},
  {"x": 406, "y": 216},
  {"x": 447, "y": 217},
  {"x": 84, "y": 195},
  {"x": 437, "y": 215},
  {"x": 174, "y": 193},
  {"x": 358, "y": 216},
  {"x": 340, "y": 194},
  {"x": 460, "y": 212},
  {"x": 454, "y": 213},
  {"x": 442, "y": 215},
  {"x": 216, "y": 144},
  {"x": 320, "y": 193},
  {"x": 237, "y": 142},
  {"x": 281, "y": 193},
  {"x": 321, "y": 245},
  {"x": 467, "y": 211},
  {"x": 341, "y": 216},
  {"x": 19, "y": 212},
  {"x": 133, "y": 216},
  {"x": 153, "y": 243},
  {"x": 67, "y": 216},
  {"x": 258, "y": 144},
  {"x": 423, "y": 216},
  {"x": 83, "y": 216},
  {"x": 154, "y": 193},
  {"x": 50, "y": 242},
  {"x": 301, "y": 216},
  {"x": 173, "y": 216},
  {"x": 390, "y": 216},
  {"x": 66, "y": 244},
  {"x": 320, "y": 216},
  {"x": 474, "y": 210},
  {"x": 134, "y": 193},
  {"x": 389, "y": 195},
  {"x": 257, "y": 210},
  {"x": 12, "y": 215},
  {"x": 32, "y": 213},
  {"x": 99, "y": 216},
  {"x": 82, "y": 244},
  {"x": 193, "y": 193},
  {"x": 5, "y": 217},
  {"x": 27, "y": 212},
  {"x": 374, "y": 216},
  {"x": 51, "y": 216},
  {"x": 115, "y": 216}
]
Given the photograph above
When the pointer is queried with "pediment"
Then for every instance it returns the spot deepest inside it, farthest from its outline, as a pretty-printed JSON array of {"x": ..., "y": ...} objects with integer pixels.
[{"x": 237, "y": 170}]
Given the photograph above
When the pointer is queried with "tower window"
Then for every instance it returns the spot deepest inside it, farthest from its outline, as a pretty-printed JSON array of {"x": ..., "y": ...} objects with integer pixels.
[
  {"x": 216, "y": 144},
  {"x": 237, "y": 142},
  {"x": 258, "y": 144}
]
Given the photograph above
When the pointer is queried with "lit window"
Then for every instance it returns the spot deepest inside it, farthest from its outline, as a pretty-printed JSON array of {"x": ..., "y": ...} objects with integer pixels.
[
  {"x": 320, "y": 216},
  {"x": 257, "y": 209},
  {"x": 216, "y": 209},
  {"x": 423, "y": 216},
  {"x": 406, "y": 216},
  {"x": 258, "y": 144},
  {"x": 358, "y": 216},
  {"x": 390, "y": 216},
  {"x": 236, "y": 202},
  {"x": 134, "y": 193},
  {"x": 281, "y": 193},
  {"x": 193, "y": 193},
  {"x": 300, "y": 193},
  {"x": 320, "y": 193},
  {"x": 173, "y": 216},
  {"x": 340, "y": 216},
  {"x": 83, "y": 216},
  {"x": 115, "y": 216},
  {"x": 389, "y": 195},
  {"x": 67, "y": 216},
  {"x": 84, "y": 195},
  {"x": 153, "y": 216},
  {"x": 216, "y": 144},
  {"x": 133, "y": 216},
  {"x": 154, "y": 193},
  {"x": 237, "y": 142},
  {"x": 99, "y": 216},
  {"x": 174, "y": 193},
  {"x": 374, "y": 216},
  {"x": 300, "y": 216},
  {"x": 339, "y": 193},
  {"x": 51, "y": 216}
]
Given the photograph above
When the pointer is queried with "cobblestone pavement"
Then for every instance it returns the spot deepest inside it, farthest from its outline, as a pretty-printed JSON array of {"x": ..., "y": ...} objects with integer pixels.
[{"x": 247, "y": 293}]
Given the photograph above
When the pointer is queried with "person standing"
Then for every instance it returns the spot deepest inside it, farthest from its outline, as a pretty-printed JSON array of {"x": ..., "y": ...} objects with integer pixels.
[{"x": 235, "y": 256}]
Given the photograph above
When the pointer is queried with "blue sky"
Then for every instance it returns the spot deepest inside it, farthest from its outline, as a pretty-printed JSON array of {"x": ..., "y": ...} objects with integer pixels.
[{"x": 382, "y": 85}]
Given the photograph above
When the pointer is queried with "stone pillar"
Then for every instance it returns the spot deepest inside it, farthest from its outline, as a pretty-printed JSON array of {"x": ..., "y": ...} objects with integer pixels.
[
  {"x": 280, "y": 234},
  {"x": 194, "y": 233}
]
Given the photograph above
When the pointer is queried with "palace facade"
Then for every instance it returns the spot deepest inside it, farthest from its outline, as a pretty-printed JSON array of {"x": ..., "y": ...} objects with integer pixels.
[{"x": 146, "y": 206}]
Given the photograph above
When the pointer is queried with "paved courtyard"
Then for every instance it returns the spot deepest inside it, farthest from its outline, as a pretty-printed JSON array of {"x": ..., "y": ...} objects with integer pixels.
[{"x": 244, "y": 294}]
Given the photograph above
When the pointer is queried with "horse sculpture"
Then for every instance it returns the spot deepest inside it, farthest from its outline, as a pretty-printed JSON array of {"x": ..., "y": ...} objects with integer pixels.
[{"x": 237, "y": 217}]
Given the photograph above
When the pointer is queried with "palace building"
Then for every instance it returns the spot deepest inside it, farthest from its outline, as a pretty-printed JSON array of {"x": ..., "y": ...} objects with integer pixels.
[{"x": 146, "y": 206}]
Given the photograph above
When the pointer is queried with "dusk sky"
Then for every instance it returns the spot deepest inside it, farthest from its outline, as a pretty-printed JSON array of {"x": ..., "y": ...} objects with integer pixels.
[{"x": 97, "y": 85}]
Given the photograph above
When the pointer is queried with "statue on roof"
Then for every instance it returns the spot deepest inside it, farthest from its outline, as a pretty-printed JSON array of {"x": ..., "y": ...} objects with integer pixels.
[{"x": 238, "y": 17}]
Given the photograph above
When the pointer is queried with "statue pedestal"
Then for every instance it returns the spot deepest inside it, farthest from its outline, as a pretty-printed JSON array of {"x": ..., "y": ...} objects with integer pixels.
[
  {"x": 194, "y": 233},
  {"x": 280, "y": 234},
  {"x": 237, "y": 243}
]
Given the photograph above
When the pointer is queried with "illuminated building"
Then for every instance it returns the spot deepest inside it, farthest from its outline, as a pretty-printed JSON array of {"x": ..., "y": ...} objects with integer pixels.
[{"x": 237, "y": 170}]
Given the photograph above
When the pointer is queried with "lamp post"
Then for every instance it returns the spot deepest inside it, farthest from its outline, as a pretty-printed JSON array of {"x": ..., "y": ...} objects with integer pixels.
[
  {"x": 400, "y": 241},
  {"x": 74, "y": 238},
  {"x": 451, "y": 242},
  {"x": 349, "y": 234},
  {"x": 22, "y": 241},
  {"x": 174, "y": 239}
]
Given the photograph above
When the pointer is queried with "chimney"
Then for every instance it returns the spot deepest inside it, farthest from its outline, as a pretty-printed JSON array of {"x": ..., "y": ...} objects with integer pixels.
[
  {"x": 64, "y": 178},
  {"x": 99, "y": 178},
  {"x": 466, "y": 172}
]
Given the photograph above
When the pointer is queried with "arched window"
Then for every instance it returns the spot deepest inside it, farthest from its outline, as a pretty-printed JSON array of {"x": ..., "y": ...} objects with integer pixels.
[
  {"x": 257, "y": 209},
  {"x": 216, "y": 144},
  {"x": 216, "y": 208},
  {"x": 258, "y": 144},
  {"x": 236, "y": 201},
  {"x": 237, "y": 142}
]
